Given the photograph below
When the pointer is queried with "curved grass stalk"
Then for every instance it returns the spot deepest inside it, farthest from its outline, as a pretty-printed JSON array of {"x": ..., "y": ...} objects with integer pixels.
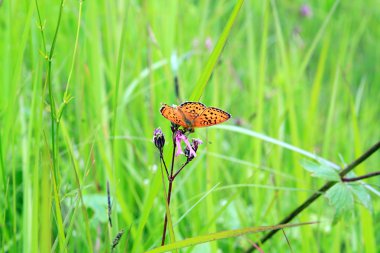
[
  {"x": 277, "y": 142},
  {"x": 54, "y": 126},
  {"x": 216, "y": 52}
]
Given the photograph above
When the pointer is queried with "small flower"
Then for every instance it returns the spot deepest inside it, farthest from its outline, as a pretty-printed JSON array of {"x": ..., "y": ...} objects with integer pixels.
[
  {"x": 179, "y": 136},
  {"x": 209, "y": 44},
  {"x": 306, "y": 11},
  {"x": 194, "y": 145},
  {"x": 159, "y": 138}
]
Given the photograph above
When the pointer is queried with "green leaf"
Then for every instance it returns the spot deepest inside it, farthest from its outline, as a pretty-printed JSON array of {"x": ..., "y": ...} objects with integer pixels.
[
  {"x": 220, "y": 235},
  {"x": 321, "y": 170},
  {"x": 342, "y": 199},
  {"x": 213, "y": 59},
  {"x": 362, "y": 195},
  {"x": 98, "y": 204}
]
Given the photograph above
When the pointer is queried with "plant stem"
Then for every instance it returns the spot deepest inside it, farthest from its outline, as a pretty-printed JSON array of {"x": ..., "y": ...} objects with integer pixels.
[
  {"x": 316, "y": 195},
  {"x": 173, "y": 155},
  {"x": 163, "y": 161},
  {"x": 178, "y": 171},
  {"x": 166, "y": 215},
  {"x": 353, "y": 179},
  {"x": 54, "y": 126},
  {"x": 170, "y": 178}
]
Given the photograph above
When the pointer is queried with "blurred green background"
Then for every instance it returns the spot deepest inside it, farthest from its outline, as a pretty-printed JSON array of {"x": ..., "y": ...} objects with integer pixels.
[{"x": 303, "y": 72}]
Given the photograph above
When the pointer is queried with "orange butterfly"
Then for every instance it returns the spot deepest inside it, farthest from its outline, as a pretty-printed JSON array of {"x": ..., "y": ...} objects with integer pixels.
[{"x": 194, "y": 114}]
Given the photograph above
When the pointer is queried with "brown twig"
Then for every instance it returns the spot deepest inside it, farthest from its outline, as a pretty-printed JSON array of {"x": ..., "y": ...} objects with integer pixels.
[
  {"x": 316, "y": 195},
  {"x": 353, "y": 179},
  {"x": 178, "y": 171},
  {"x": 170, "y": 178},
  {"x": 163, "y": 161}
]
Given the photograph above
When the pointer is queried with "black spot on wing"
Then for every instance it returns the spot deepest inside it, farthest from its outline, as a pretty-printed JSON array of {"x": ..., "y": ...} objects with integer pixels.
[{"x": 211, "y": 116}]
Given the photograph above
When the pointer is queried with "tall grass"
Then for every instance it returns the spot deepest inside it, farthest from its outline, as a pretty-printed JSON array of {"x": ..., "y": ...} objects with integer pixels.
[{"x": 308, "y": 81}]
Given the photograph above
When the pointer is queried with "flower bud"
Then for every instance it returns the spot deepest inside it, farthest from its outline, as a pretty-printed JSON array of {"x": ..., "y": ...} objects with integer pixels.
[
  {"x": 190, "y": 153},
  {"x": 306, "y": 11},
  {"x": 159, "y": 139}
]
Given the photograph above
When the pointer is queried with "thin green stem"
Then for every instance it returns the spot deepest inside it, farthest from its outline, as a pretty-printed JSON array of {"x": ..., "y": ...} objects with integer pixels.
[
  {"x": 54, "y": 125},
  {"x": 65, "y": 98},
  {"x": 41, "y": 28}
]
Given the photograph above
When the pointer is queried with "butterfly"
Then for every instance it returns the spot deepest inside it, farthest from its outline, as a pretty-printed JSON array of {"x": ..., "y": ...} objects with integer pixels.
[{"x": 194, "y": 114}]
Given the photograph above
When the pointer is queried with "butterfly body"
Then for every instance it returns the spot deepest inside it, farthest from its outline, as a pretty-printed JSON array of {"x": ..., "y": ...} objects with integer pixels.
[{"x": 194, "y": 114}]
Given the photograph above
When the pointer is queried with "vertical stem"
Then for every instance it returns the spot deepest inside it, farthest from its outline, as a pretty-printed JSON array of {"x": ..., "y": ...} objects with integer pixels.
[
  {"x": 169, "y": 190},
  {"x": 173, "y": 155},
  {"x": 54, "y": 129},
  {"x": 166, "y": 215}
]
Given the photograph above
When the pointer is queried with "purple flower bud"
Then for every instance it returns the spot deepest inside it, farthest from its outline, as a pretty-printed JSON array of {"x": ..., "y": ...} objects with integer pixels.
[
  {"x": 190, "y": 152},
  {"x": 196, "y": 143},
  {"x": 159, "y": 138},
  {"x": 306, "y": 11}
]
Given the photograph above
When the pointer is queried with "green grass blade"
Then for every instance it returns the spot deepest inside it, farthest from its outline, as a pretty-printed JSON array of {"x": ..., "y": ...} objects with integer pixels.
[
  {"x": 148, "y": 206},
  {"x": 317, "y": 38},
  {"x": 46, "y": 210},
  {"x": 75, "y": 166},
  {"x": 276, "y": 142},
  {"x": 206, "y": 74},
  {"x": 221, "y": 235}
]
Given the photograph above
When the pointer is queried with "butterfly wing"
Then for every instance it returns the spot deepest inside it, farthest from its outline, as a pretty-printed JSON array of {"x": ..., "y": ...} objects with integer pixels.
[
  {"x": 211, "y": 116},
  {"x": 191, "y": 110},
  {"x": 194, "y": 114},
  {"x": 173, "y": 114}
]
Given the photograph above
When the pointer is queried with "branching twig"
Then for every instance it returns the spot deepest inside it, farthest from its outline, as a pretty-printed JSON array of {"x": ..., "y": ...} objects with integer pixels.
[
  {"x": 316, "y": 195},
  {"x": 178, "y": 171},
  {"x": 353, "y": 179},
  {"x": 163, "y": 161}
]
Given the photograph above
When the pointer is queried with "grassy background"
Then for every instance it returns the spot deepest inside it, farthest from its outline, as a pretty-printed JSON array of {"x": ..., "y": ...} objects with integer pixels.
[{"x": 312, "y": 82}]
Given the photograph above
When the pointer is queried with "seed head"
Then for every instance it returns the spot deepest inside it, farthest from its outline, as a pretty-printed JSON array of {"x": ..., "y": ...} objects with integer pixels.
[{"x": 117, "y": 238}]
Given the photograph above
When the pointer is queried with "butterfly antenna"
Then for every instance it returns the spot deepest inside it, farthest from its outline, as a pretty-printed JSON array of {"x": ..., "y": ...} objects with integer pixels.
[{"x": 176, "y": 88}]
